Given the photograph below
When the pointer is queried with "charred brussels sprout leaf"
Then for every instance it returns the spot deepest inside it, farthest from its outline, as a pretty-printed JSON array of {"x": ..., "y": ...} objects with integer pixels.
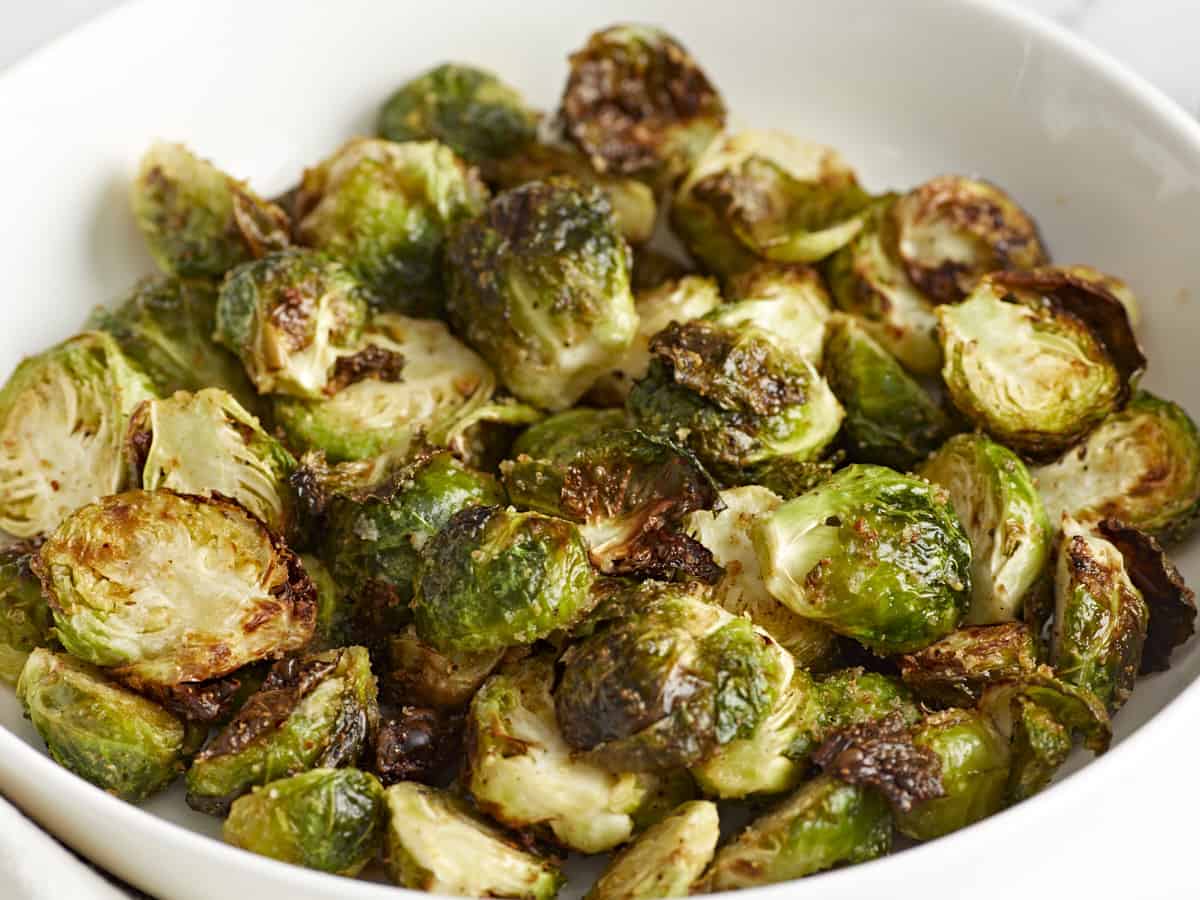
[
  {"x": 875, "y": 555},
  {"x": 1039, "y": 745},
  {"x": 164, "y": 588},
  {"x": 199, "y": 222},
  {"x": 539, "y": 285},
  {"x": 420, "y": 674},
  {"x": 416, "y": 743},
  {"x": 25, "y": 619},
  {"x": 326, "y": 819},
  {"x": 956, "y": 670},
  {"x": 117, "y": 740},
  {"x": 63, "y": 415}
]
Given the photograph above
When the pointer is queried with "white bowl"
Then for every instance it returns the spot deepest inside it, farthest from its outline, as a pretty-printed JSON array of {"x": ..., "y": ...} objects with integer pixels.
[{"x": 906, "y": 89}]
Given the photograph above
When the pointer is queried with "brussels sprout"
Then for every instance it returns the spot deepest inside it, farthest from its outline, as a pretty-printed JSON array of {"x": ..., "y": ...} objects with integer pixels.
[
  {"x": 165, "y": 588},
  {"x": 653, "y": 269},
  {"x": 25, "y": 619},
  {"x": 665, "y": 860},
  {"x": 1038, "y": 359},
  {"x": 727, "y": 534},
  {"x": 384, "y": 209},
  {"x": 416, "y": 743},
  {"x": 420, "y": 674},
  {"x": 120, "y": 742},
  {"x": 199, "y": 222},
  {"x": 996, "y": 501},
  {"x": 843, "y": 699},
  {"x": 469, "y": 110},
  {"x": 788, "y": 300},
  {"x": 428, "y": 382},
  {"x": 494, "y": 577},
  {"x": 1039, "y": 745},
  {"x": 890, "y": 419},
  {"x": 63, "y": 415},
  {"x": 206, "y": 443},
  {"x": 291, "y": 317},
  {"x": 875, "y": 555},
  {"x": 956, "y": 670},
  {"x": 318, "y": 710},
  {"x": 333, "y": 621},
  {"x": 1109, "y": 284},
  {"x": 626, "y": 490},
  {"x": 636, "y": 102},
  {"x": 434, "y": 843},
  {"x": 952, "y": 231},
  {"x": 824, "y": 824},
  {"x": 1141, "y": 465},
  {"x": 766, "y": 195},
  {"x": 539, "y": 285},
  {"x": 326, "y": 819},
  {"x": 666, "y": 682},
  {"x": 975, "y": 768}
]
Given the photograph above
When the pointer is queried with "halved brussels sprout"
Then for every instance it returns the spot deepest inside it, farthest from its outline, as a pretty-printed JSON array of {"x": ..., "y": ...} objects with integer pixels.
[
  {"x": 665, "y": 860},
  {"x": 539, "y": 285},
  {"x": 469, "y": 110},
  {"x": 956, "y": 670},
  {"x": 494, "y": 578},
  {"x": 1140, "y": 465},
  {"x": 25, "y": 619},
  {"x": 117, "y": 740},
  {"x": 875, "y": 555},
  {"x": 788, "y": 300},
  {"x": 843, "y": 699},
  {"x": 418, "y": 673},
  {"x": 313, "y": 711},
  {"x": 824, "y": 824},
  {"x": 384, "y": 209},
  {"x": 199, "y": 222},
  {"x": 206, "y": 443},
  {"x": 636, "y": 102},
  {"x": 327, "y": 819},
  {"x": 63, "y": 415},
  {"x": 890, "y": 419},
  {"x": 1039, "y": 745},
  {"x": 164, "y": 588},
  {"x": 1011, "y": 537},
  {"x": 1037, "y": 359},
  {"x": 435, "y": 843}
]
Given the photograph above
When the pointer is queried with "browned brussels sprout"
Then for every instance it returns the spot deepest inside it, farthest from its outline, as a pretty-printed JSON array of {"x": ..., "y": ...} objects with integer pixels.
[
  {"x": 956, "y": 670},
  {"x": 417, "y": 673},
  {"x": 25, "y": 620}
]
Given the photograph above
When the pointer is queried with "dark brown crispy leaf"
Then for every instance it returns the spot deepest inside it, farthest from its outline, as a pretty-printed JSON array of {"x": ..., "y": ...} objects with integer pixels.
[
  {"x": 202, "y": 701},
  {"x": 369, "y": 362},
  {"x": 666, "y": 555},
  {"x": 418, "y": 744},
  {"x": 955, "y": 670}
]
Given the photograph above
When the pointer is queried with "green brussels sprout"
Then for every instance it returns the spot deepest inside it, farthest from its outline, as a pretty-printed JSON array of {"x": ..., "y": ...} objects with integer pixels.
[
  {"x": 843, "y": 699},
  {"x": 291, "y": 317},
  {"x": 199, "y": 222},
  {"x": 165, "y": 588},
  {"x": 824, "y": 824},
  {"x": 1039, "y": 745},
  {"x": 787, "y": 299},
  {"x": 877, "y": 556},
  {"x": 435, "y": 843},
  {"x": 766, "y": 195},
  {"x": 117, "y": 740},
  {"x": 165, "y": 325},
  {"x": 384, "y": 209},
  {"x": 890, "y": 419},
  {"x": 1140, "y": 465},
  {"x": 326, "y": 819},
  {"x": 469, "y": 110},
  {"x": 636, "y": 102},
  {"x": 524, "y": 775},
  {"x": 667, "y": 681},
  {"x": 956, "y": 670},
  {"x": 419, "y": 674},
  {"x": 63, "y": 415},
  {"x": 494, "y": 578},
  {"x": 665, "y": 860},
  {"x": 206, "y": 443},
  {"x": 727, "y": 535},
  {"x": 25, "y": 619},
  {"x": 974, "y": 760},
  {"x": 1037, "y": 359},
  {"x": 319, "y": 710},
  {"x": 539, "y": 285},
  {"x": 995, "y": 499}
]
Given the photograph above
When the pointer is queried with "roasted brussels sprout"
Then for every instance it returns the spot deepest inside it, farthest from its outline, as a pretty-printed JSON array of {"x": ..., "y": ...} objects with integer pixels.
[
  {"x": 956, "y": 670},
  {"x": 539, "y": 285},
  {"x": 333, "y": 625},
  {"x": 996, "y": 501},
  {"x": 417, "y": 743},
  {"x": 418, "y": 673},
  {"x": 875, "y": 555},
  {"x": 326, "y": 819},
  {"x": 1037, "y": 359},
  {"x": 494, "y": 578},
  {"x": 1141, "y": 465},
  {"x": 117, "y": 740},
  {"x": 788, "y": 300},
  {"x": 469, "y": 110},
  {"x": 384, "y": 209},
  {"x": 843, "y": 699},
  {"x": 1039, "y": 745},
  {"x": 63, "y": 415},
  {"x": 434, "y": 843},
  {"x": 25, "y": 619},
  {"x": 654, "y": 268},
  {"x": 636, "y": 102},
  {"x": 313, "y": 711},
  {"x": 199, "y": 222}
]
